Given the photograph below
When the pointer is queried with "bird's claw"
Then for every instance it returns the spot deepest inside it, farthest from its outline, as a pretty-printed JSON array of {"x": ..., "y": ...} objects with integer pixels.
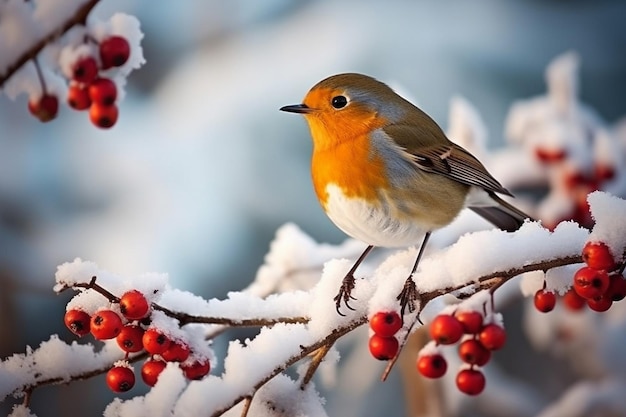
[
  {"x": 344, "y": 295},
  {"x": 408, "y": 297}
]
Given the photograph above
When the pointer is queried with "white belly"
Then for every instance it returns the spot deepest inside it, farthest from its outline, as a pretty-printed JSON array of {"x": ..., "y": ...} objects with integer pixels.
[{"x": 372, "y": 225}]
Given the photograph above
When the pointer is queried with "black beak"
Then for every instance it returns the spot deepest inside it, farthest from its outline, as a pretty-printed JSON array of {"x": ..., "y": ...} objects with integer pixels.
[{"x": 297, "y": 108}]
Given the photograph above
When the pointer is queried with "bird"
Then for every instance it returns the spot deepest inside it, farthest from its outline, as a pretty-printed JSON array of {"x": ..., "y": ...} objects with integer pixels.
[{"x": 385, "y": 173}]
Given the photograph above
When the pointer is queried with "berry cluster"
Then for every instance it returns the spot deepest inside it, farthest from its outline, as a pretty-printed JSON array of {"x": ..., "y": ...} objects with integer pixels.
[
  {"x": 476, "y": 342},
  {"x": 133, "y": 333},
  {"x": 383, "y": 343},
  {"x": 576, "y": 183},
  {"x": 597, "y": 285},
  {"x": 89, "y": 88}
]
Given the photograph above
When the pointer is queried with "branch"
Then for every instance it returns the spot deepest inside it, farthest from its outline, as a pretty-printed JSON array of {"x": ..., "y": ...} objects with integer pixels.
[
  {"x": 318, "y": 348},
  {"x": 185, "y": 318},
  {"x": 319, "y": 355},
  {"x": 79, "y": 17},
  {"x": 329, "y": 340},
  {"x": 30, "y": 388}
]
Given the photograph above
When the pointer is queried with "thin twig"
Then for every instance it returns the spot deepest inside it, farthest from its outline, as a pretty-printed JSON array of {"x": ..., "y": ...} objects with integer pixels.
[
  {"x": 42, "y": 80},
  {"x": 246, "y": 405},
  {"x": 317, "y": 359},
  {"x": 79, "y": 377},
  {"x": 184, "y": 318},
  {"x": 27, "y": 396}
]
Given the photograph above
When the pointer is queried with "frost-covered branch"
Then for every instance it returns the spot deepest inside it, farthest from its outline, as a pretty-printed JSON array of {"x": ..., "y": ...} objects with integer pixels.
[{"x": 79, "y": 17}]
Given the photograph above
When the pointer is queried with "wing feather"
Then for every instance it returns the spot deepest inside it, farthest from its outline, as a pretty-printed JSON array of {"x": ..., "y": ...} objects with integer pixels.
[{"x": 433, "y": 152}]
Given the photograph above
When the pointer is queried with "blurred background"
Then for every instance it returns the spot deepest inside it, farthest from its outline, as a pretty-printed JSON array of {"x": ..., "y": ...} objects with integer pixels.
[{"x": 202, "y": 168}]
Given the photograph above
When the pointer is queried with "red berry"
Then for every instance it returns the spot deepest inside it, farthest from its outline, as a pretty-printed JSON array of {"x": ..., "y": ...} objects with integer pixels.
[
  {"x": 617, "y": 288},
  {"x": 77, "y": 321},
  {"x": 130, "y": 338},
  {"x": 590, "y": 283},
  {"x": 78, "y": 97},
  {"x": 603, "y": 172},
  {"x": 151, "y": 370},
  {"x": 573, "y": 301},
  {"x": 473, "y": 352},
  {"x": 470, "y": 381},
  {"x": 155, "y": 342},
  {"x": 576, "y": 179},
  {"x": 176, "y": 352},
  {"x": 197, "y": 369},
  {"x": 120, "y": 378},
  {"x": 446, "y": 329},
  {"x": 114, "y": 52},
  {"x": 597, "y": 255},
  {"x": 545, "y": 301},
  {"x": 85, "y": 70},
  {"x": 103, "y": 91},
  {"x": 492, "y": 336},
  {"x": 600, "y": 304},
  {"x": 383, "y": 348},
  {"x": 432, "y": 366},
  {"x": 134, "y": 305},
  {"x": 106, "y": 324},
  {"x": 45, "y": 109},
  {"x": 386, "y": 323},
  {"x": 103, "y": 116},
  {"x": 550, "y": 155},
  {"x": 472, "y": 321}
]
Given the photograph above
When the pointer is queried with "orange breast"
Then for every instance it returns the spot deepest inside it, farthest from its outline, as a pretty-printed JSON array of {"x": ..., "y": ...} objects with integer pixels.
[{"x": 350, "y": 165}]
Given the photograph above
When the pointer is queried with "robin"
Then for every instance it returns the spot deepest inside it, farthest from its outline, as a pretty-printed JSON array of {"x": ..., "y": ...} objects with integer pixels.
[{"x": 386, "y": 174}]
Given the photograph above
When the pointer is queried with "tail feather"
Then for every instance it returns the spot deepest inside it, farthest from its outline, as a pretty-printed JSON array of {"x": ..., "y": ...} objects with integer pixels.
[{"x": 502, "y": 214}]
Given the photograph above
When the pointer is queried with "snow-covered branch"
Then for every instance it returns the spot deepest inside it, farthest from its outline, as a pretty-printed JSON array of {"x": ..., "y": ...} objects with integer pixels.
[
  {"x": 303, "y": 323},
  {"x": 77, "y": 17},
  {"x": 55, "y": 52}
]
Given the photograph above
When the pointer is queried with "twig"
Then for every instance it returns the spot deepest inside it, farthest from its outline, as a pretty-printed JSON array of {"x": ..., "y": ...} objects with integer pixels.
[
  {"x": 97, "y": 287},
  {"x": 79, "y": 17},
  {"x": 246, "y": 405},
  {"x": 28, "y": 389},
  {"x": 184, "y": 318},
  {"x": 42, "y": 80},
  {"x": 27, "y": 396},
  {"x": 317, "y": 359}
]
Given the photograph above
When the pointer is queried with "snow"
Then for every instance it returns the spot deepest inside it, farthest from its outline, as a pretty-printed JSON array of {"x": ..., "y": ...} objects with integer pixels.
[
  {"x": 54, "y": 359},
  {"x": 70, "y": 54},
  {"x": 609, "y": 213},
  {"x": 21, "y": 410},
  {"x": 283, "y": 395},
  {"x": 156, "y": 403}
]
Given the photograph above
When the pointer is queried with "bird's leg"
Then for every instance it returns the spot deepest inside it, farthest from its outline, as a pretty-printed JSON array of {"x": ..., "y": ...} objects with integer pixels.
[
  {"x": 347, "y": 285},
  {"x": 409, "y": 294}
]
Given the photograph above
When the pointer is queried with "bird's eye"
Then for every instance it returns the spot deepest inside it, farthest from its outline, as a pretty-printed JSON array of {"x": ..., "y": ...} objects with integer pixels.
[{"x": 339, "y": 102}]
